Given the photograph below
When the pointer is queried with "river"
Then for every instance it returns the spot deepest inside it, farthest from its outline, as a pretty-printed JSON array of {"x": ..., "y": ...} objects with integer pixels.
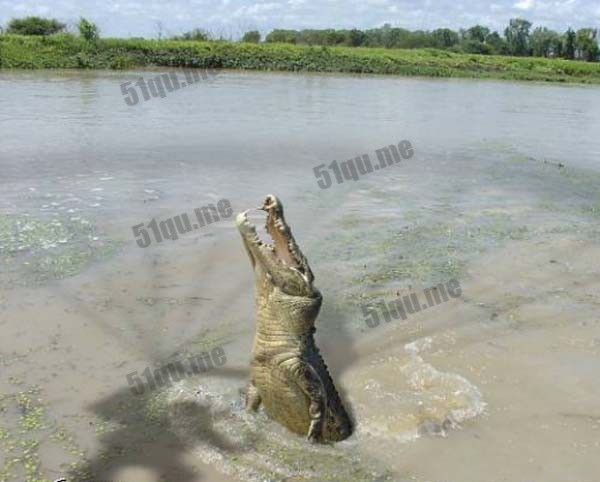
[{"x": 499, "y": 195}]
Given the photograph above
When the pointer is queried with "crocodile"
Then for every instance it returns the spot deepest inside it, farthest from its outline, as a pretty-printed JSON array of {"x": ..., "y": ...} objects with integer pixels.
[{"x": 288, "y": 376}]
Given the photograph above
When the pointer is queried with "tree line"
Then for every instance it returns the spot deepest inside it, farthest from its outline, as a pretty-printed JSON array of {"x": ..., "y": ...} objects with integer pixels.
[{"x": 518, "y": 38}]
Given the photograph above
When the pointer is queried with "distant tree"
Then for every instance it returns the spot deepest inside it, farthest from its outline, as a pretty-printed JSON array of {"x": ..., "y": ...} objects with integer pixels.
[
  {"x": 444, "y": 38},
  {"x": 321, "y": 37},
  {"x": 355, "y": 38},
  {"x": 373, "y": 37},
  {"x": 496, "y": 43},
  {"x": 283, "y": 36},
  {"x": 413, "y": 40},
  {"x": 196, "y": 34},
  {"x": 473, "y": 40},
  {"x": 517, "y": 36},
  {"x": 569, "y": 44},
  {"x": 253, "y": 36},
  {"x": 35, "y": 26},
  {"x": 159, "y": 27},
  {"x": 88, "y": 30},
  {"x": 388, "y": 37},
  {"x": 333, "y": 37},
  {"x": 586, "y": 44},
  {"x": 477, "y": 33},
  {"x": 394, "y": 37},
  {"x": 545, "y": 43},
  {"x": 308, "y": 37}
]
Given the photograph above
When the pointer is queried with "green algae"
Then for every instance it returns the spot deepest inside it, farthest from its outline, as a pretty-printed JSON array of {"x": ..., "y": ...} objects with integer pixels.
[
  {"x": 21, "y": 442},
  {"x": 65, "y": 265},
  {"x": 32, "y": 413},
  {"x": 36, "y": 250},
  {"x": 33, "y": 419},
  {"x": 419, "y": 253},
  {"x": 591, "y": 210},
  {"x": 22, "y": 233},
  {"x": 383, "y": 254}
]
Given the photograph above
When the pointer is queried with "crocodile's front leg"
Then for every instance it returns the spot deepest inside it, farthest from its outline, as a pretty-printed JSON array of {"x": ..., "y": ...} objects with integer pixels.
[{"x": 307, "y": 379}]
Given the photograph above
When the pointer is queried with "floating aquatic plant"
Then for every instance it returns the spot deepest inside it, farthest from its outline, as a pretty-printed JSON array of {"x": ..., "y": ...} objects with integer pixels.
[{"x": 35, "y": 249}]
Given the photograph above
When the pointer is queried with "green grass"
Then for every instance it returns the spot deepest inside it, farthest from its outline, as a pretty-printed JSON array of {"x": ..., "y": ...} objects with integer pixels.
[{"x": 66, "y": 51}]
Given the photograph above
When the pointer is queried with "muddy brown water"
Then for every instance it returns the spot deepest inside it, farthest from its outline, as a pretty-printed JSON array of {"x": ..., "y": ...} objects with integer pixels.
[{"x": 502, "y": 194}]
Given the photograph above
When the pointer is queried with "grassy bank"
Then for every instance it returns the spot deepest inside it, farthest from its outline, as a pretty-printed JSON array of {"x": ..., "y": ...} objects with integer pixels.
[{"x": 65, "y": 51}]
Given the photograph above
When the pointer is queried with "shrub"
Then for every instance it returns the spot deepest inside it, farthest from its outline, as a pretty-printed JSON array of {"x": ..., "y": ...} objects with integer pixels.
[
  {"x": 476, "y": 47},
  {"x": 88, "y": 30},
  {"x": 35, "y": 26},
  {"x": 253, "y": 36},
  {"x": 122, "y": 62},
  {"x": 84, "y": 61}
]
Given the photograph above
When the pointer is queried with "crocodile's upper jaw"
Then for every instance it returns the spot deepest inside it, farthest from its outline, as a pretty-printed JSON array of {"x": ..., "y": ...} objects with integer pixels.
[{"x": 281, "y": 260}]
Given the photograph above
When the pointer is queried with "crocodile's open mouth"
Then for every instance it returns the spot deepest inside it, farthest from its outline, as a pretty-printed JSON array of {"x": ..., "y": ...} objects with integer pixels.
[
  {"x": 279, "y": 261},
  {"x": 282, "y": 246}
]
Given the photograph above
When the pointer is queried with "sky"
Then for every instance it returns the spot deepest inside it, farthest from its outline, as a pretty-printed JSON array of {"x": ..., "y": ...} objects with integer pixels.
[{"x": 230, "y": 18}]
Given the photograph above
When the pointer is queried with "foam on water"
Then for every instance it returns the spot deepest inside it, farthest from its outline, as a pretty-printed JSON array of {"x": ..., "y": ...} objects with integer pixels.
[{"x": 404, "y": 397}]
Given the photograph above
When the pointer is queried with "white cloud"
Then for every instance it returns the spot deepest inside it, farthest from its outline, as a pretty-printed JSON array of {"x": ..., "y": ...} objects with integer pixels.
[
  {"x": 262, "y": 8},
  {"x": 525, "y": 4}
]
